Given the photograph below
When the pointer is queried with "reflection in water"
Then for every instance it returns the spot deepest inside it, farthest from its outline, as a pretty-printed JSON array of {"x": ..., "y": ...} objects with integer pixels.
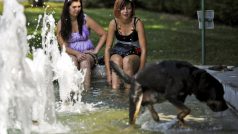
[{"x": 107, "y": 97}]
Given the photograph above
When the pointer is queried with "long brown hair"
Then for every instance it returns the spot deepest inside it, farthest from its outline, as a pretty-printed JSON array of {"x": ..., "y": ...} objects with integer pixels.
[{"x": 66, "y": 27}]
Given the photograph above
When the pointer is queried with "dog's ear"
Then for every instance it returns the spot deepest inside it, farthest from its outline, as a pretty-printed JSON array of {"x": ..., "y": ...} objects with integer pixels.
[
  {"x": 203, "y": 81},
  {"x": 121, "y": 73}
]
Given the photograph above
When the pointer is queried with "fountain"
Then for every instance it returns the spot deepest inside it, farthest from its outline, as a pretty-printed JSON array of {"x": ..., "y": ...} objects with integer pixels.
[
  {"x": 16, "y": 85},
  {"x": 27, "y": 101}
]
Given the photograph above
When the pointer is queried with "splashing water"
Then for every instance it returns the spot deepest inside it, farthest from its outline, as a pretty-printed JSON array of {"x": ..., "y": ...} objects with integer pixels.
[
  {"x": 16, "y": 86},
  {"x": 65, "y": 72},
  {"x": 26, "y": 89}
]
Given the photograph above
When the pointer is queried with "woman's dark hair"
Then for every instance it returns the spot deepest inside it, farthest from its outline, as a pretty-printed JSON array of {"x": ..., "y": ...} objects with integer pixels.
[
  {"x": 119, "y": 4},
  {"x": 66, "y": 27}
]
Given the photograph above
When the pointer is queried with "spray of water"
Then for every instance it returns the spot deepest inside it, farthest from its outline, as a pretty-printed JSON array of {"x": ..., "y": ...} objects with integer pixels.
[
  {"x": 16, "y": 86},
  {"x": 26, "y": 89}
]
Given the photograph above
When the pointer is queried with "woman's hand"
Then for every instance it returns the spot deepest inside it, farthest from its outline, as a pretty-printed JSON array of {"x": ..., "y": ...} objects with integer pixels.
[{"x": 81, "y": 56}]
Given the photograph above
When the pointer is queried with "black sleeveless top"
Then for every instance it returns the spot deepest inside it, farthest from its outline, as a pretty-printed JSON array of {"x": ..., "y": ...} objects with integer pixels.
[
  {"x": 126, "y": 45},
  {"x": 128, "y": 38}
]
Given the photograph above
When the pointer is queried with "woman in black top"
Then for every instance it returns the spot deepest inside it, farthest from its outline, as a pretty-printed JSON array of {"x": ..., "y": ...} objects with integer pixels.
[{"x": 129, "y": 49}]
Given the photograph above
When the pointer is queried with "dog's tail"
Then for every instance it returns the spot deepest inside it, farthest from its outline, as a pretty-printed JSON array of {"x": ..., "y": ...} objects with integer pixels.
[
  {"x": 121, "y": 73},
  {"x": 136, "y": 94}
]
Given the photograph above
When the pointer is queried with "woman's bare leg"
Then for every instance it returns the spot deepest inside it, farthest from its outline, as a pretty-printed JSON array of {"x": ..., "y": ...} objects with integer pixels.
[
  {"x": 87, "y": 64},
  {"x": 115, "y": 79},
  {"x": 130, "y": 66}
]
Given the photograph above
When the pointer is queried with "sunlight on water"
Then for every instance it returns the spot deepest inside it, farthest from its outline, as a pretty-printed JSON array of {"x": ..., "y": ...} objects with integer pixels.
[{"x": 103, "y": 121}]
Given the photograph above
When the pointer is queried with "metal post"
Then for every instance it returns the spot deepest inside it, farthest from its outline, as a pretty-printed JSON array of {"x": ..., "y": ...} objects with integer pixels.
[{"x": 203, "y": 33}]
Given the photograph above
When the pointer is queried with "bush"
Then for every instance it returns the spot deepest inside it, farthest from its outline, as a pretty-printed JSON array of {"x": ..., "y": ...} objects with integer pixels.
[{"x": 226, "y": 11}]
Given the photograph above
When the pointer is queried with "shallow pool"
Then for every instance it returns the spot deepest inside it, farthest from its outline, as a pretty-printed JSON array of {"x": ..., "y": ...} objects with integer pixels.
[{"x": 110, "y": 116}]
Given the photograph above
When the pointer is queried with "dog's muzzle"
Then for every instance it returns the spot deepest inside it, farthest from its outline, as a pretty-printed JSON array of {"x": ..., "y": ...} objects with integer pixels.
[{"x": 217, "y": 106}]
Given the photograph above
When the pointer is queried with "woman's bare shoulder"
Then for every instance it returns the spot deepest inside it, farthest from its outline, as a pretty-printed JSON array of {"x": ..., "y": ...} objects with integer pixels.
[
  {"x": 112, "y": 22},
  {"x": 139, "y": 23},
  {"x": 138, "y": 20}
]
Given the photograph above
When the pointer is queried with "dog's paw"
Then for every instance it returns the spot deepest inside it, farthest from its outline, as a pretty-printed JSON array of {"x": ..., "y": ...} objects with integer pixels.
[
  {"x": 181, "y": 124},
  {"x": 155, "y": 117}
]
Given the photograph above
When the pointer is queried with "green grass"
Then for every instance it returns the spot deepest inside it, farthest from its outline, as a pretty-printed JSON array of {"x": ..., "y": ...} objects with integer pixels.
[{"x": 168, "y": 36}]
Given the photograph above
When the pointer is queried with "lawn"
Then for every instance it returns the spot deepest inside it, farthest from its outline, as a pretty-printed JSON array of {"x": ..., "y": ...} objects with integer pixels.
[{"x": 168, "y": 36}]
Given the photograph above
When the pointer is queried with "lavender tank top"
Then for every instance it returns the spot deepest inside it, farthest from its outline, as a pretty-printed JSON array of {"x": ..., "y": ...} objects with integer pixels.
[{"x": 80, "y": 42}]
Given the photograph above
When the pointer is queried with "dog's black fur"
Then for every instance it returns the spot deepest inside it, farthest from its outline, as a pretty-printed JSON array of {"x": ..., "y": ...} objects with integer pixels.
[{"x": 172, "y": 81}]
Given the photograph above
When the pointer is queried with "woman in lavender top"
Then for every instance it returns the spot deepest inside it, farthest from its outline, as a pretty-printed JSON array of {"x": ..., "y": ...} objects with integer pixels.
[{"x": 73, "y": 30}]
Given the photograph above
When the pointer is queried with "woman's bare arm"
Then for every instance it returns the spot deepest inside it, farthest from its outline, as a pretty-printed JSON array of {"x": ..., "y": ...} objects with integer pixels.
[
  {"x": 92, "y": 24},
  {"x": 142, "y": 42},
  {"x": 110, "y": 37}
]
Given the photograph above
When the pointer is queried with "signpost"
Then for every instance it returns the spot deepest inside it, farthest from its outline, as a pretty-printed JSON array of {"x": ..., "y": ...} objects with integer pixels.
[
  {"x": 203, "y": 34},
  {"x": 205, "y": 18}
]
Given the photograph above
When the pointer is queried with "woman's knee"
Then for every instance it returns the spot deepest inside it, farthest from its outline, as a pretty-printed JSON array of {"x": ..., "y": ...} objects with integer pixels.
[
  {"x": 116, "y": 59},
  {"x": 130, "y": 61},
  {"x": 130, "y": 64},
  {"x": 87, "y": 63}
]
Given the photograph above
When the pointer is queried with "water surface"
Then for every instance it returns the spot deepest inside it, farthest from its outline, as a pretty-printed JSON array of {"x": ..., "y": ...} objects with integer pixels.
[{"x": 111, "y": 116}]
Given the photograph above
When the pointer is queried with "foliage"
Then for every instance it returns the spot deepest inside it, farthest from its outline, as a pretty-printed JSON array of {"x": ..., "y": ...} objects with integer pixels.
[
  {"x": 226, "y": 11},
  {"x": 98, "y": 3}
]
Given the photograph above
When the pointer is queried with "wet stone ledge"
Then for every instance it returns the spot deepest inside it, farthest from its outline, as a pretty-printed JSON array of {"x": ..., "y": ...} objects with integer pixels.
[
  {"x": 99, "y": 72},
  {"x": 229, "y": 79}
]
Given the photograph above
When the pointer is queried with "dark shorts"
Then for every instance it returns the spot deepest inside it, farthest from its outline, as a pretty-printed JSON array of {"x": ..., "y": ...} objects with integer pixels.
[{"x": 125, "y": 50}]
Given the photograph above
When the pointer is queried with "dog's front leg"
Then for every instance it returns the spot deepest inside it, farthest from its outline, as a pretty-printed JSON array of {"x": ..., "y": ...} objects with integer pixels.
[
  {"x": 154, "y": 114},
  {"x": 184, "y": 110}
]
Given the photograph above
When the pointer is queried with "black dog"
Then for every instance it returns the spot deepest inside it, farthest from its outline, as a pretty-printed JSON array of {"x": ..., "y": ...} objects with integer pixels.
[{"x": 172, "y": 81}]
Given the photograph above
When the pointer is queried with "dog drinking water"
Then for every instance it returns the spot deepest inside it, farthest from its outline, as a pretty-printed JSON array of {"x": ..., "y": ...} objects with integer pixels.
[{"x": 172, "y": 81}]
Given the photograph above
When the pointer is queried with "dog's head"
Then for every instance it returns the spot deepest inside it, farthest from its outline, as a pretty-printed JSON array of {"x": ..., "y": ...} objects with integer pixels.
[
  {"x": 216, "y": 102},
  {"x": 210, "y": 90},
  {"x": 135, "y": 96}
]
